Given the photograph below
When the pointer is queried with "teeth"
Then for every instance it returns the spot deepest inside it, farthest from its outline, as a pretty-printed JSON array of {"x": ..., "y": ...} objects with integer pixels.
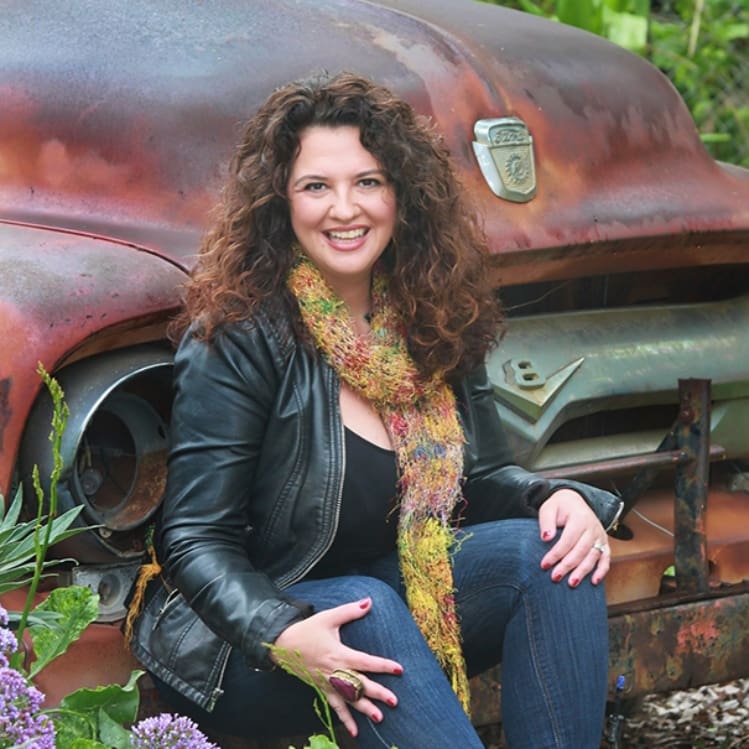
[{"x": 352, "y": 234}]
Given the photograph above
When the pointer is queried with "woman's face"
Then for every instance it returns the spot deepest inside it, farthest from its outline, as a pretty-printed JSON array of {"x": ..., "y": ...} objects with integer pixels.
[{"x": 342, "y": 206}]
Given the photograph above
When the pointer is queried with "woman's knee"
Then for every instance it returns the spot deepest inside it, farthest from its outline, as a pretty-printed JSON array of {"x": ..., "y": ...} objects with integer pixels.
[
  {"x": 502, "y": 550},
  {"x": 388, "y": 628},
  {"x": 386, "y": 605}
]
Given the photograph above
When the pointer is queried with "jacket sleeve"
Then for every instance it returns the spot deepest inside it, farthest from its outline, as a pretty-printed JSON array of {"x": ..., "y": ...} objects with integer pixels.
[
  {"x": 223, "y": 390},
  {"x": 494, "y": 487}
]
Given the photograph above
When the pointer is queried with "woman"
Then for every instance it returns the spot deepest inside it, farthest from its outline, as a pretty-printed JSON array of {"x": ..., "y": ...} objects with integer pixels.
[{"x": 340, "y": 490}]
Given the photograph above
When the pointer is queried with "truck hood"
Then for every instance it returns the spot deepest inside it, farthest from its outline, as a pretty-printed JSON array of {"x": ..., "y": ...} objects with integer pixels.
[{"x": 117, "y": 119}]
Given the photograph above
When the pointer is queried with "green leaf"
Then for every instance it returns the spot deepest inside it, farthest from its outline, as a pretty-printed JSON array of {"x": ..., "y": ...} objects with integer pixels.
[
  {"x": 715, "y": 137},
  {"x": 318, "y": 741},
  {"x": 120, "y": 703},
  {"x": 87, "y": 744},
  {"x": 111, "y": 732},
  {"x": 71, "y": 725},
  {"x": 13, "y": 581},
  {"x": 731, "y": 31},
  {"x": 638, "y": 7},
  {"x": 26, "y": 547},
  {"x": 10, "y": 518},
  {"x": 585, "y": 14},
  {"x": 39, "y": 618},
  {"x": 530, "y": 7},
  {"x": 626, "y": 29},
  {"x": 78, "y": 607}
]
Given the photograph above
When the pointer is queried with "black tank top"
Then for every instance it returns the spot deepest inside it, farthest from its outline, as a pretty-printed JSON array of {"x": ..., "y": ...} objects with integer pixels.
[{"x": 368, "y": 520}]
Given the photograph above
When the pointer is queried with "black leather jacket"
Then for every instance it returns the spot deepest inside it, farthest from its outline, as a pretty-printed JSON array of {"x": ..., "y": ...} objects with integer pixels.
[{"x": 255, "y": 477}]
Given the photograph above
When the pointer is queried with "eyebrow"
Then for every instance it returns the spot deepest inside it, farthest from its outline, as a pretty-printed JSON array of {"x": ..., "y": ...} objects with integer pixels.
[{"x": 323, "y": 178}]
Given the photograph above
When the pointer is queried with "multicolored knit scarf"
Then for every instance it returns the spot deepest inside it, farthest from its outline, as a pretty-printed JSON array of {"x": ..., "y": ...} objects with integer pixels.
[{"x": 421, "y": 418}]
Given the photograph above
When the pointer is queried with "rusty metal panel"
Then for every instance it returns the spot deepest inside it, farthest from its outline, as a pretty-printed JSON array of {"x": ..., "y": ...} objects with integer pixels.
[
  {"x": 676, "y": 645},
  {"x": 693, "y": 439},
  {"x": 638, "y": 563},
  {"x": 671, "y": 645},
  {"x": 153, "y": 96},
  {"x": 57, "y": 291}
]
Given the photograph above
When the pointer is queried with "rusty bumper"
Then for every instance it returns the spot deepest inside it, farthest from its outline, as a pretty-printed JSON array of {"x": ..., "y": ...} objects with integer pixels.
[{"x": 663, "y": 645}]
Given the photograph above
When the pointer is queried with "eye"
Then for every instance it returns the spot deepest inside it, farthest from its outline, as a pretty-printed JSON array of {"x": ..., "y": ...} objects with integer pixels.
[
  {"x": 370, "y": 182},
  {"x": 314, "y": 186}
]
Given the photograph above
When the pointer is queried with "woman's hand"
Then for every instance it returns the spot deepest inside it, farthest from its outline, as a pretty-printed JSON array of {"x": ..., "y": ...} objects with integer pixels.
[
  {"x": 317, "y": 640},
  {"x": 582, "y": 547}
]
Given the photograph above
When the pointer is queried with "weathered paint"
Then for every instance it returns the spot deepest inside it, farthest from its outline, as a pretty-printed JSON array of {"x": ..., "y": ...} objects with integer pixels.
[
  {"x": 639, "y": 562},
  {"x": 691, "y": 487},
  {"x": 153, "y": 97},
  {"x": 676, "y": 644},
  {"x": 59, "y": 290},
  {"x": 668, "y": 644}
]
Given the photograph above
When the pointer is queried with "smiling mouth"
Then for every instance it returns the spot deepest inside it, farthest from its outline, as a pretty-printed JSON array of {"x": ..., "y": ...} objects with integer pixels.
[{"x": 347, "y": 235}]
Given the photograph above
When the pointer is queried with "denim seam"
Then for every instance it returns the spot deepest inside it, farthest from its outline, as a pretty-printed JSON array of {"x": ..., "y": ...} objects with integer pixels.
[
  {"x": 535, "y": 660},
  {"x": 379, "y": 736}
]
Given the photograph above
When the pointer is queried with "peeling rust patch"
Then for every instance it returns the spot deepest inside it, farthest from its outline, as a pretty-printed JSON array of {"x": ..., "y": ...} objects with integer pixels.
[
  {"x": 667, "y": 644},
  {"x": 677, "y": 645}
]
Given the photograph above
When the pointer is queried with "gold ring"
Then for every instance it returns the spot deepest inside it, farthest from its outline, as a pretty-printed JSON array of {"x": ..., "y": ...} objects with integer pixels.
[{"x": 347, "y": 683}]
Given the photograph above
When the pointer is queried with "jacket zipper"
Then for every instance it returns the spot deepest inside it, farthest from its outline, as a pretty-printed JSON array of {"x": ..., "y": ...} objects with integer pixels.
[
  {"x": 293, "y": 578},
  {"x": 217, "y": 691}
]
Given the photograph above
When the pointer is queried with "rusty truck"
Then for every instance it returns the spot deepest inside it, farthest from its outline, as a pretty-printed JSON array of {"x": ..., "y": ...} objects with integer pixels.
[{"x": 620, "y": 246}]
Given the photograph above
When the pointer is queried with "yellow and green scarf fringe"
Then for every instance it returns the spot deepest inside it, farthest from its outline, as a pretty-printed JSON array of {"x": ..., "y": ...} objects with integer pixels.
[{"x": 421, "y": 418}]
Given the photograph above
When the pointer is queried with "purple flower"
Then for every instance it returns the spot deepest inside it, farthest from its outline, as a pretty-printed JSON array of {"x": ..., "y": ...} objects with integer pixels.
[
  {"x": 8, "y": 643},
  {"x": 20, "y": 723},
  {"x": 8, "y": 646},
  {"x": 167, "y": 731}
]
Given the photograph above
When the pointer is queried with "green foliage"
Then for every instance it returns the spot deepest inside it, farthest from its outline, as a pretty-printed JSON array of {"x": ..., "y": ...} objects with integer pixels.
[
  {"x": 319, "y": 742},
  {"x": 292, "y": 663},
  {"x": 97, "y": 715},
  {"x": 23, "y": 546},
  {"x": 75, "y": 608},
  {"x": 623, "y": 21},
  {"x": 87, "y": 718},
  {"x": 702, "y": 49},
  {"x": 19, "y": 542},
  {"x": 701, "y": 45}
]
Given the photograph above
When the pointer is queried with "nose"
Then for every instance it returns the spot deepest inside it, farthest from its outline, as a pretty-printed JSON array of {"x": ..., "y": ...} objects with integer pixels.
[{"x": 344, "y": 206}]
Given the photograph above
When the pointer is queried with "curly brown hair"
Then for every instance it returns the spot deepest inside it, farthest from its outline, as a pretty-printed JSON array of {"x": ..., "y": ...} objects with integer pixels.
[{"x": 435, "y": 259}]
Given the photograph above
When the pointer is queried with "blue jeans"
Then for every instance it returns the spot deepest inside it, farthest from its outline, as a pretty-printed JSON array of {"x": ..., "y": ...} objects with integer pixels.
[{"x": 552, "y": 641}]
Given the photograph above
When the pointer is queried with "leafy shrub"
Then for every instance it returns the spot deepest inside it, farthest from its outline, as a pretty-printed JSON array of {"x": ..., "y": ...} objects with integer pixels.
[
  {"x": 87, "y": 718},
  {"x": 701, "y": 45}
]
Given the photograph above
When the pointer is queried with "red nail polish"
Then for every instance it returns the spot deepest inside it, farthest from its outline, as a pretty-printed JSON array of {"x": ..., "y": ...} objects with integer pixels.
[
  {"x": 390, "y": 701},
  {"x": 546, "y": 535},
  {"x": 376, "y": 718},
  {"x": 556, "y": 577},
  {"x": 545, "y": 565},
  {"x": 398, "y": 671},
  {"x": 574, "y": 582},
  {"x": 364, "y": 603}
]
